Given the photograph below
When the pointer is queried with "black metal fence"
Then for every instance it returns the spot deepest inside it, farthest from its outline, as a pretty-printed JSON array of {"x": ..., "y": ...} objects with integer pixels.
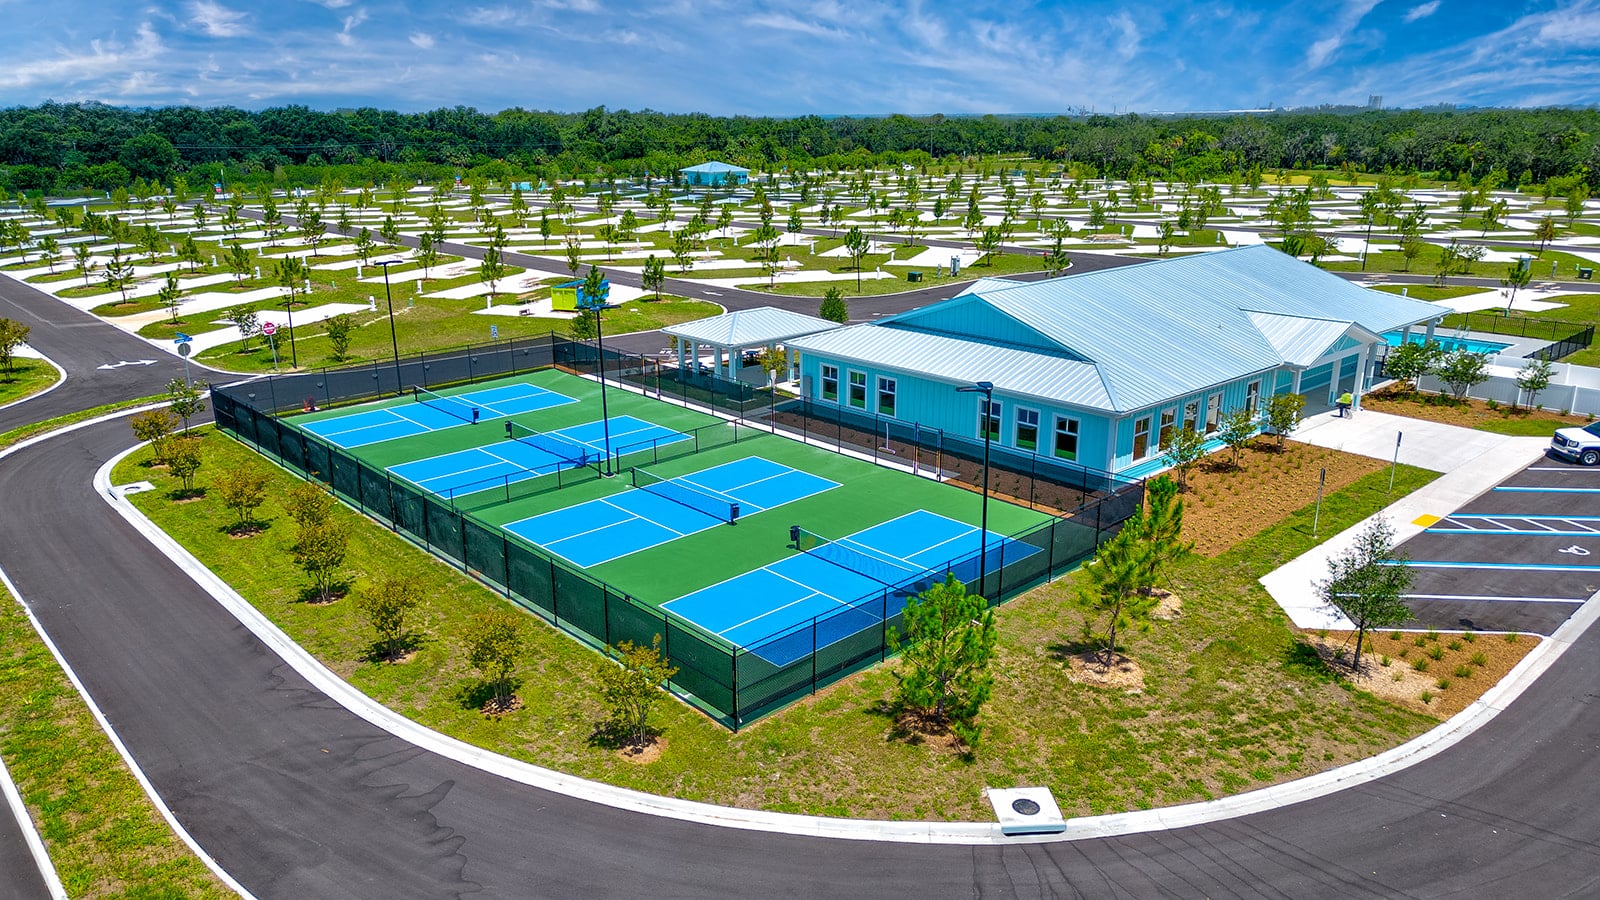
[
  {"x": 734, "y": 685},
  {"x": 1562, "y": 338}
]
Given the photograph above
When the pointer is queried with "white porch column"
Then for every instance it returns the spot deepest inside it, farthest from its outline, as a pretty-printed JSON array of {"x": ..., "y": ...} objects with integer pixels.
[
  {"x": 794, "y": 366},
  {"x": 679, "y": 342},
  {"x": 1429, "y": 335},
  {"x": 1364, "y": 374},
  {"x": 1294, "y": 381}
]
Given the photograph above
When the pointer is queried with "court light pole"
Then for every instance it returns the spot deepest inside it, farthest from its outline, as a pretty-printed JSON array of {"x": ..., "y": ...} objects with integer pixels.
[
  {"x": 596, "y": 301},
  {"x": 986, "y": 388},
  {"x": 394, "y": 342}
]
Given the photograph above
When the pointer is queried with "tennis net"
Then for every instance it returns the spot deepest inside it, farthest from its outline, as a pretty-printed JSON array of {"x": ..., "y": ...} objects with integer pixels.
[
  {"x": 455, "y": 406},
  {"x": 713, "y": 503},
  {"x": 555, "y": 445},
  {"x": 880, "y": 567}
]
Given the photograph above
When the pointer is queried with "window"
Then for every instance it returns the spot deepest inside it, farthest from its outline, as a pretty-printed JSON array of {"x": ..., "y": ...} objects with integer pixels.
[
  {"x": 830, "y": 383},
  {"x": 1252, "y": 396},
  {"x": 858, "y": 390},
  {"x": 886, "y": 388},
  {"x": 989, "y": 419},
  {"x": 1191, "y": 415},
  {"x": 1168, "y": 423},
  {"x": 1066, "y": 437},
  {"x": 1213, "y": 412},
  {"x": 1141, "y": 438},
  {"x": 1027, "y": 429}
]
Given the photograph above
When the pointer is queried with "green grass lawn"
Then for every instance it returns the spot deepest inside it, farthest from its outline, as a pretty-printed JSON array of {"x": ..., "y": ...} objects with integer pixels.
[
  {"x": 103, "y": 834},
  {"x": 1229, "y": 703},
  {"x": 998, "y": 265},
  {"x": 1426, "y": 263},
  {"x": 28, "y": 376},
  {"x": 1428, "y": 292}
]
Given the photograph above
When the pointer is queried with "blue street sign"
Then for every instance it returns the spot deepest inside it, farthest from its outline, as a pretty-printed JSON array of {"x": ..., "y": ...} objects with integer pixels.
[
  {"x": 181, "y": 338},
  {"x": 494, "y": 332}
]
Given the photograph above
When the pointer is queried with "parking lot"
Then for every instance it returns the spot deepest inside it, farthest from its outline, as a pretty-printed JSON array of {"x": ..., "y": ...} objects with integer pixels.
[{"x": 1520, "y": 557}]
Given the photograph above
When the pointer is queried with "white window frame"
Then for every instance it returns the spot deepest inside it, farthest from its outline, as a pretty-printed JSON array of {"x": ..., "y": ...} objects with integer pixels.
[
  {"x": 822, "y": 388},
  {"x": 1166, "y": 427},
  {"x": 991, "y": 411},
  {"x": 1252, "y": 396},
  {"x": 849, "y": 390},
  {"x": 1016, "y": 428},
  {"x": 890, "y": 386},
  {"x": 1146, "y": 421},
  {"x": 1213, "y": 413},
  {"x": 1056, "y": 433},
  {"x": 1191, "y": 415}
]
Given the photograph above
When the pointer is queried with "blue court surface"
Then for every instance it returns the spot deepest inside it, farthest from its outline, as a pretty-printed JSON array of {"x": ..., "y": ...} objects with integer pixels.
[
  {"x": 510, "y": 461},
  {"x": 612, "y": 527},
  {"x": 770, "y": 610},
  {"x": 407, "y": 420}
]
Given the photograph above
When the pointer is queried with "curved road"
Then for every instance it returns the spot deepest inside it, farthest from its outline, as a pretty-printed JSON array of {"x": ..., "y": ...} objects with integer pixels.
[{"x": 297, "y": 797}]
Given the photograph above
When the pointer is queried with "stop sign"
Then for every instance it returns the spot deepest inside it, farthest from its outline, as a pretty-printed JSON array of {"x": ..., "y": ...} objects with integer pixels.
[{"x": 269, "y": 329}]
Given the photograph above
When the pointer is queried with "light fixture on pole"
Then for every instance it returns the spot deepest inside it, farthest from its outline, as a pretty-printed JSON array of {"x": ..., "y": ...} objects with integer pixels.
[
  {"x": 394, "y": 342},
  {"x": 595, "y": 301},
  {"x": 986, "y": 388}
]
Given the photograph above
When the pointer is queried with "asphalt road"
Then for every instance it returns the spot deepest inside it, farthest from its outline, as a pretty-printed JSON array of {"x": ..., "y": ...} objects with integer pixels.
[
  {"x": 297, "y": 797},
  {"x": 19, "y": 874}
]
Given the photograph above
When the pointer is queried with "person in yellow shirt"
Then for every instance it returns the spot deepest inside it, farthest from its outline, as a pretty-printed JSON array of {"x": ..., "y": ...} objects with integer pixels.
[{"x": 1345, "y": 403}]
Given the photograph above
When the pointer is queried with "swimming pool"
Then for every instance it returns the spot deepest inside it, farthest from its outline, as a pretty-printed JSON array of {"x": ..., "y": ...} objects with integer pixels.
[{"x": 1451, "y": 344}]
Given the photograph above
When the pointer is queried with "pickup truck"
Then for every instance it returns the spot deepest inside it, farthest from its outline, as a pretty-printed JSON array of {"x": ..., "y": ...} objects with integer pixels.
[{"x": 1581, "y": 445}]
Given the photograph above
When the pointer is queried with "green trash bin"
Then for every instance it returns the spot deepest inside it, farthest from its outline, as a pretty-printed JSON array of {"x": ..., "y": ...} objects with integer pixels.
[{"x": 913, "y": 276}]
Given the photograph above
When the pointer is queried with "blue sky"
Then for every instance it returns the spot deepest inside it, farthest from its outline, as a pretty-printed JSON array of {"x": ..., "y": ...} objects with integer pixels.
[{"x": 786, "y": 57}]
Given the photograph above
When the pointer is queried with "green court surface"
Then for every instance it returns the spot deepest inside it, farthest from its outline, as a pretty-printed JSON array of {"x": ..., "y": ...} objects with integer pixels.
[{"x": 867, "y": 494}]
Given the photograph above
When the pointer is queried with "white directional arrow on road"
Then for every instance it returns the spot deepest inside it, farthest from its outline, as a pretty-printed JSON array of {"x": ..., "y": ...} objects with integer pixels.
[{"x": 137, "y": 362}]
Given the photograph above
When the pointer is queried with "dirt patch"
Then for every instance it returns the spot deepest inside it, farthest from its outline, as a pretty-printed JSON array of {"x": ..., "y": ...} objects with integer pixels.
[
  {"x": 494, "y": 707},
  {"x": 245, "y": 531},
  {"x": 1466, "y": 413},
  {"x": 644, "y": 756},
  {"x": 1168, "y": 605},
  {"x": 1449, "y": 669},
  {"x": 1226, "y": 504},
  {"x": 1120, "y": 673}
]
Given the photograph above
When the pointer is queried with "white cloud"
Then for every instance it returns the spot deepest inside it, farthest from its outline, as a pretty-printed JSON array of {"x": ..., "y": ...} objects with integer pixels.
[
  {"x": 1422, "y": 10},
  {"x": 425, "y": 41},
  {"x": 350, "y": 22},
  {"x": 103, "y": 59},
  {"x": 1128, "y": 45},
  {"x": 217, "y": 20},
  {"x": 1347, "y": 20}
]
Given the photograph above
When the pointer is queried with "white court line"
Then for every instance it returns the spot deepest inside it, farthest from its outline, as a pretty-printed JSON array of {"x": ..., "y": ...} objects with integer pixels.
[
  {"x": 1491, "y": 599},
  {"x": 451, "y": 474},
  {"x": 1553, "y": 469},
  {"x": 971, "y": 529}
]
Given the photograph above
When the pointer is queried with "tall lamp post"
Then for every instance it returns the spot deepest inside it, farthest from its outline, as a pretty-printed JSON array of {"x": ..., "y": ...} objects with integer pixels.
[
  {"x": 394, "y": 342},
  {"x": 592, "y": 296},
  {"x": 986, "y": 388}
]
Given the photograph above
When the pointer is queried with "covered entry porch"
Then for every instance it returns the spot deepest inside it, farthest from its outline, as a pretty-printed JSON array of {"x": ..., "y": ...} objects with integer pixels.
[{"x": 729, "y": 345}]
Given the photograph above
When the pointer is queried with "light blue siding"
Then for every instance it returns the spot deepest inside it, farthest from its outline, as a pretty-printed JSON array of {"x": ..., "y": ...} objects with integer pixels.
[{"x": 971, "y": 317}]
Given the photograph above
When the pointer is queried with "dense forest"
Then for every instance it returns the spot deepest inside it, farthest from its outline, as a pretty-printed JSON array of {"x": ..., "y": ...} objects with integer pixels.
[{"x": 58, "y": 148}]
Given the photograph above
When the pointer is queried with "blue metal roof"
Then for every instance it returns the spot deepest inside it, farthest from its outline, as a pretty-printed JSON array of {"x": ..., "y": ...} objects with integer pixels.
[
  {"x": 750, "y": 327},
  {"x": 714, "y": 167}
]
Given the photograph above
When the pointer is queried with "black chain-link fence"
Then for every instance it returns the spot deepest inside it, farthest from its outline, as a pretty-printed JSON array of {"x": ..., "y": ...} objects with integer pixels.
[{"x": 734, "y": 685}]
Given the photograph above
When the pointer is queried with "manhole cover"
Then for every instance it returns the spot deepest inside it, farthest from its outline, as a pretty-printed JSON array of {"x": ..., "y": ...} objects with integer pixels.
[{"x": 1025, "y": 806}]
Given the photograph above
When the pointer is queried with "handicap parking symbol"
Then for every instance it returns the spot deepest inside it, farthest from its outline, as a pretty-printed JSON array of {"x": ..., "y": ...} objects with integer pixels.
[{"x": 1575, "y": 550}]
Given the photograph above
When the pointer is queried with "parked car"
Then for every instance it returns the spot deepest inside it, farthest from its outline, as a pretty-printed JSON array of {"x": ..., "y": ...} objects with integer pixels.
[{"x": 1581, "y": 445}]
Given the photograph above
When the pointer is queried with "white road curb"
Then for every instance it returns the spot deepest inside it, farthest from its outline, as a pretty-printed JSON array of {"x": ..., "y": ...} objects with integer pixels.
[
  {"x": 59, "y": 381},
  {"x": 962, "y": 833},
  {"x": 30, "y": 834},
  {"x": 94, "y": 708}
]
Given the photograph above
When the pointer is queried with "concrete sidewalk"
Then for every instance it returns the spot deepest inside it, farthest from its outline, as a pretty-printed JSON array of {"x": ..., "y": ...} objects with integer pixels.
[{"x": 1472, "y": 462}]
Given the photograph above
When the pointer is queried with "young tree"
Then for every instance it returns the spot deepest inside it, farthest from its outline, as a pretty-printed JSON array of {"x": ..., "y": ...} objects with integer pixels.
[
  {"x": 319, "y": 550},
  {"x": 682, "y": 247},
  {"x": 1410, "y": 249},
  {"x": 389, "y": 231},
  {"x": 654, "y": 275},
  {"x": 1368, "y": 583},
  {"x": 1182, "y": 450},
  {"x": 309, "y": 503},
  {"x": 1545, "y": 232},
  {"x": 150, "y": 242},
  {"x": 1517, "y": 276},
  {"x": 856, "y": 244},
  {"x": 387, "y": 606},
  {"x": 341, "y": 329},
  {"x": 945, "y": 654},
  {"x": 427, "y": 254},
  {"x": 1534, "y": 377},
  {"x": 631, "y": 687},
  {"x": 312, "y": 230},
  {"x": 574, "y": 260},
  {"x": 834, "y": 308},
  {"x": 1119, "y": 579},
  {"x": 186, "y": 401},
  {"x": 1163, "y": 525},
  {"x": 987, "y": 245},
  {"x": 13, "y": 334},
  {"x": 184, "y": 459},
  {"x": 154, "y": 427},
  {"x": 249, "y": 324},
  {"x": 494, "y": 645},
  {"x": 364, "y": 244},
  {"x": 1283, "y": 413},
  {"x": 238, "y": 263},
  {"x": 1410, "y": 361},
  {"x": 189, "y": 252},
  {"x": 243, "y": 489},
  {"x": 491, "y": 269},
  {"x": 1462, "y": 370},
  {"x": 83, "y": 262},
  {"x": 1164, "y": 233},
  {"x": 170, "y": 295},
  {"x": 118, "y": 274},
  {"x": 1236, "y": 429}
]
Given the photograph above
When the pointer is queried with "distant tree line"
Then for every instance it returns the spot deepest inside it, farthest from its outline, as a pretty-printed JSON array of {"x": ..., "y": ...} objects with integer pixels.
[{"x": 62, "y": 147}]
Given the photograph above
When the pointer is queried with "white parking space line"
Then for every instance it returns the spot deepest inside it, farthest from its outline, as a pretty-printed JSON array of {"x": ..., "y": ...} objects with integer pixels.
[{"x": 1491, "y": 599}]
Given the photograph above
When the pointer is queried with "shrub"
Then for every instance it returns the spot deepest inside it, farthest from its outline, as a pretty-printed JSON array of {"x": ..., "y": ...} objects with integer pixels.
[
  {"x": 1443, "y": 683},
  {"x": 1421, "y": 665},
  {"x": 1470, "y": 637},
  {"x": 1384, "y": 661},
  {"x": 1454, "y": 645},
  {"x": 1479, "y": 660},
  {"x": 1427, "y": 696},
  {"x": 1394, "y": 635},
  {"x": 1511, "y": 637},
  {"x": 1436, "y": 652},
  {"x": 1463, "y": 671}
]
